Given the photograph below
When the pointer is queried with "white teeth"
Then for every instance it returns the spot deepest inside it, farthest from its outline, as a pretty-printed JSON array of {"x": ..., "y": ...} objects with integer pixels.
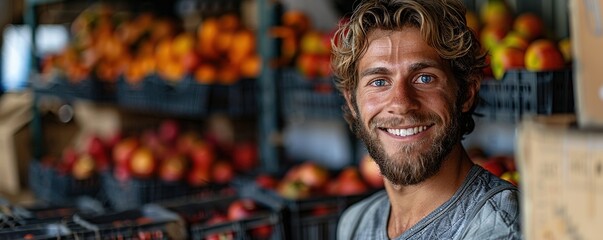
[{"x": 407, "y": 132}]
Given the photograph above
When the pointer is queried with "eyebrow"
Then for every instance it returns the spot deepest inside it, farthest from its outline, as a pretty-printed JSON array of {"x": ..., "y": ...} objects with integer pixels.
[{"x": 412, "y": 68}]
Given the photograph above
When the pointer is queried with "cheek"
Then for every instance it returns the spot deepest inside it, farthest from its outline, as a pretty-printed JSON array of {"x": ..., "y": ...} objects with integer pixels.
[{"x": 369, "y": 105}]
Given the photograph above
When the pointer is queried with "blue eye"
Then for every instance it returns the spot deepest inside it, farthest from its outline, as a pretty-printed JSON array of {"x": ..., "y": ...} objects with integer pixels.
[
  {"x": 379, "y": 83},
  {"x": 425, "y": 79}
]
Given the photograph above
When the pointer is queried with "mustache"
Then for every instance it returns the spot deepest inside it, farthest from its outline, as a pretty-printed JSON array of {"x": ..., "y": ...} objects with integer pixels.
[{"x": 411, "y": 119}]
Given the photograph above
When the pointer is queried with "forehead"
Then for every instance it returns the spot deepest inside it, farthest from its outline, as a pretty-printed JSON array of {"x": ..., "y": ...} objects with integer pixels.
[{"x": 398, "y": 47}]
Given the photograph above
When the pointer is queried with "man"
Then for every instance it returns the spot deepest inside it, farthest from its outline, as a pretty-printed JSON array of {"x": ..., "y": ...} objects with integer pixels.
[{"x": 410, "y": 72}]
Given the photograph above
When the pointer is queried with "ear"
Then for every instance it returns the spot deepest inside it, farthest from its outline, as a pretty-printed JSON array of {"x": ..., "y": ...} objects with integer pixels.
[
  {"x": 472, "y": 94},
  {"x": 348, "y": 100}
]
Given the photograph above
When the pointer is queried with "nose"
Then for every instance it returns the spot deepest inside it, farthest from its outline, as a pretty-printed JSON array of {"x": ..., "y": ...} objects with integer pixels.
[{"x": 402, "y": 99}]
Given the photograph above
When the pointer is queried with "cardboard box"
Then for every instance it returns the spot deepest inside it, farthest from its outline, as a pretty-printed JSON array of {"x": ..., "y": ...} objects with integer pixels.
[
  {"x": 15, "y": 140},
  {"x": 587, "y": 43},
  {"x": 561, "y": 180}
]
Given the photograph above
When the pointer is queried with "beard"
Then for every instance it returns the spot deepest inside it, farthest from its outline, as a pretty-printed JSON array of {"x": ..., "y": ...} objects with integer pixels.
[{"x": 411, "y": 163}]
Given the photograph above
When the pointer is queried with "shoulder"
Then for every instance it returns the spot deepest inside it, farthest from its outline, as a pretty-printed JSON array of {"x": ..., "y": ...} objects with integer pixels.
[
  {"x": 356, "y": 215},
  {"x": 497, "y": 214}
]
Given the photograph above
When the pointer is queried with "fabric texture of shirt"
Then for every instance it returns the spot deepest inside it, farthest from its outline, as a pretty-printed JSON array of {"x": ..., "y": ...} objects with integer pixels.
[{"x": 484, "y": 207}]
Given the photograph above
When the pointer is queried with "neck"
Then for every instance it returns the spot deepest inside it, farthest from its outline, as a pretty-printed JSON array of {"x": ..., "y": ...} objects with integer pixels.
[{"x": 410, "y": 204}]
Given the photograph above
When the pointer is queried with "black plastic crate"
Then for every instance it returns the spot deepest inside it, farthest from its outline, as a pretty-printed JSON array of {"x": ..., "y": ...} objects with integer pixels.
[
  {"x": 523, "y": 92},
  {"x": 185, "y": 97},
  {"x": 134, "y": 192},
  {"x": 309, "y": 98},
  {"x": 55, "y": 188},
  {"x": 236, "y": 99},
  {"x": 135, "y": 96},
  {"x": 89, "y": 88},
  {"x": 265, "y": 223},
  {"x": 147, "y": 222}
]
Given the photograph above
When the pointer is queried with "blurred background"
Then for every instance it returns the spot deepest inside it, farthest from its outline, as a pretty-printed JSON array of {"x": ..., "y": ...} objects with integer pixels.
[{"x": 159, "y": 111}]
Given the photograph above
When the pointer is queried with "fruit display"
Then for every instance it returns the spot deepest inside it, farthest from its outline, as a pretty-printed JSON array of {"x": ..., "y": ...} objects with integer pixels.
[
  {"x": 517, "y": 41},
  {"x": 136, "y": 58},
  {"x": 149, "y": 164}
]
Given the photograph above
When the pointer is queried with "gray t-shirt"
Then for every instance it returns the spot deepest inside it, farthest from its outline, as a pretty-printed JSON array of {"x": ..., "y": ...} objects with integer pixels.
[{"x": 484, "y": 207}]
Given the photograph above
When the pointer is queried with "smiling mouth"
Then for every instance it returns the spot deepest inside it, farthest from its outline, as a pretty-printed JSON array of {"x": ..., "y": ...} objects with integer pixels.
[{"x": 405, "y": 132}]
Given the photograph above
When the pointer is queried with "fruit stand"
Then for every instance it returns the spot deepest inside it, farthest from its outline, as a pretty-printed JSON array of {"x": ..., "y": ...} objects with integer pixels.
[{"x": 199, "y": 94}]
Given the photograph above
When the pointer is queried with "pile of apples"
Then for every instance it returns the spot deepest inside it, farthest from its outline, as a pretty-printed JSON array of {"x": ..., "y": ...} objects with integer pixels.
[
  {"x": 167, "y": 154},
  {"x": 311, "y": 179},
  {"x": 517, "y": 42},
  {"x": 303, "y": 46},
  {"x": 109, "y": 44},
  {"x": 501, "y": 165}
]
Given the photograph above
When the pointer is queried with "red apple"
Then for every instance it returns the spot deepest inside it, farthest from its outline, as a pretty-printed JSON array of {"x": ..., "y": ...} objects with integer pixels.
[
  {"x": 350, "y": 182},
  {"x": 505, "y": 58},
  {"x": 241, "y": 209},
  {"x": 169, "y": 131},
  {"x": 245, "y": 156},
  {"x": 83, "y": 168},
  {"x": 202, "y": 155},
  {"x": 543, "y": 55},
  {"x": 370, "y": 172},
  {"x": 143, "y": 163},
  {"x": 124, "y": 149},
  {"x": 529, "y": 25},
  {"x": 173, "y": 168},
  {"x": 313, "y": 175},
  {"x": 222, "y": 172}
]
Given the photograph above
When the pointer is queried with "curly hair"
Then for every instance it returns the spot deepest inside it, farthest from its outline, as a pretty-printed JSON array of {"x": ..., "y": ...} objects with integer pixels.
[{"x": 442, "y": 25}]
